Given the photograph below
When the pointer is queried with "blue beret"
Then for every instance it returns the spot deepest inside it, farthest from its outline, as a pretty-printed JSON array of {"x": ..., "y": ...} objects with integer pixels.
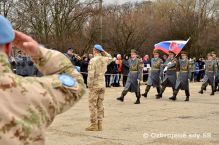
[
  {"x": 6, "y": 31},
  {"x": 98, "y": 47}
]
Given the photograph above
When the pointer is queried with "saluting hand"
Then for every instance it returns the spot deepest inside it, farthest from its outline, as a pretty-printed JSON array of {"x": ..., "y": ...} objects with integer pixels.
[{"x": 26, "y": 43}]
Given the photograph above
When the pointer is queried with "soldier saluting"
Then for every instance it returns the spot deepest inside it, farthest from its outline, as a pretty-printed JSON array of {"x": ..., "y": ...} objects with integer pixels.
[
  {"x": 134, "y": 77},
  {"x": 154, "y": 76},
  {"x": 29, "y": 105},
  {"x": 170, "y": 77},
  {"x": 96, "y": 83},
  {"x": 183, "y": 77},
  {"x": 210, "y": 74}
]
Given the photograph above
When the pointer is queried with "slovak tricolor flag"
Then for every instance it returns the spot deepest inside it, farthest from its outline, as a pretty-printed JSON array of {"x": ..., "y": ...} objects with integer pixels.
[{"x": 174, "y": 46}]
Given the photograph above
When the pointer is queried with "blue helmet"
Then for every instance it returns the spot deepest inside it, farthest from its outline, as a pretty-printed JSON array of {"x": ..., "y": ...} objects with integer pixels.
[
  {"x": 98, "y": 47},
  {"x": 7, "y": 33}
]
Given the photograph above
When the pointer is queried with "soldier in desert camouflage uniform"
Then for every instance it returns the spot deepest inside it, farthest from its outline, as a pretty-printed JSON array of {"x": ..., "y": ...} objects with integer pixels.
[
  {"x": 29, "y": 105},
  {"x": 96, "y": 83}
]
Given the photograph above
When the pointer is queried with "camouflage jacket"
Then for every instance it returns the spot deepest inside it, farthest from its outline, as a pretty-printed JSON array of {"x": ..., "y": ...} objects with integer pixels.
[
  {"x": 29, "y": 105},
  {"x": 96, "y": 70}
]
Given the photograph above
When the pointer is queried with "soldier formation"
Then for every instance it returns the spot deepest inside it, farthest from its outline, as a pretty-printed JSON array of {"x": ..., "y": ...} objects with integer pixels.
[{"x": 164, "y": 75}]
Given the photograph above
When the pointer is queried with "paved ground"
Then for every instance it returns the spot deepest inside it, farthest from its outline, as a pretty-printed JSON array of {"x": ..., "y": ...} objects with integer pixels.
[{"x": 183, "y": 123}]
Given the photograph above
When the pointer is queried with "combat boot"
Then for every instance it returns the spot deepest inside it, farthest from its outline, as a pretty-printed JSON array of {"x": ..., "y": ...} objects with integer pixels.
[
  {"x": 215, "y": 88},
  {"x": 138, "y": 96},
  {"x": 145, "y": 94},
  {"x": 92, "y": 127},
  {"x": 202, "y": 90},
  {"x": 100, "y": 125},
  {"x": 187, "y": 95},
  {"x": 187, "y": 99},
  {"x": 173, "y": 98},
  {"x": 158, "y": 91},
  {"x": 160, "y": 95},
  {"x": 138, "y": 101},
  {"x": 121, "y": 98},
  {"x": 146, "y": 91},
  {"x": 212, "y": 90}
]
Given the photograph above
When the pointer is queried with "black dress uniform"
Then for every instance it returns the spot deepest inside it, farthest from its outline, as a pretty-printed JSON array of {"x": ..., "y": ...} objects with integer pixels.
[
  {"x": 182, "y": 81},
  {"x": 134, "y": 76},
  {"x": 154, "y": 75},
  {"x": 170, "y": 75},
  {"x": 210, "y": 74}
]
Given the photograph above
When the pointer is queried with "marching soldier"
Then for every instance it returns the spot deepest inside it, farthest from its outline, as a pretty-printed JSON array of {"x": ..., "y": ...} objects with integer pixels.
[
  {"x": 210, "y": 74},
  {"x": 134, "y": 77},
  {"x": 170, "y": 77},
  {"x": 183, "y": 77},
  {"x": 29, "y": 105},
  {"x": 96, "y": 83},
  {"x": 191, "y": 69},
  {"x": 217, "y": 75},
  {"x": 154, "y": 76}
]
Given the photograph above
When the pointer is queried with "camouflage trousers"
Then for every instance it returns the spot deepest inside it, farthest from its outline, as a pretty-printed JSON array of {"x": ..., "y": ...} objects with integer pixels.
[{"x": 96, "y": 97}]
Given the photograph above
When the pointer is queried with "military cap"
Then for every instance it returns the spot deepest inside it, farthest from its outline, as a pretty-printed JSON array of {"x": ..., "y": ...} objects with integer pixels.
[
  {"x": 184, "y": 52},
  {"x": 98, "y": 47},
  {"x": 7, "y": 33},
  {"x": 209, "y": 54},
  {"x": 171, "y": 52},
  {"x": 133, "y": 51},
  {"x": 70, "y": 48},
  {"x": 213, "y": 52},
  {"x": 156, "y": 51}
]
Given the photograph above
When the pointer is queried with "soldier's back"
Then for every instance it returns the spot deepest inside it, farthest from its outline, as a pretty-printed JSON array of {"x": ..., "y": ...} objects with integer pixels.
[{"x": 99, "y": 64}]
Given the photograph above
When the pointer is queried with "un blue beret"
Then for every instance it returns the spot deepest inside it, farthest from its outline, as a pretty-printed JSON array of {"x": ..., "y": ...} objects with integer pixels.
[
  {"x": 7, "y": 34},
  {"x": 98, "y": 47}
]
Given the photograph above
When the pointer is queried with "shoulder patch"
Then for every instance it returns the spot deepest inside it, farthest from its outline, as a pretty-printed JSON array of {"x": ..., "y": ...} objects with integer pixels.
[{"x": 67, "y": 80}]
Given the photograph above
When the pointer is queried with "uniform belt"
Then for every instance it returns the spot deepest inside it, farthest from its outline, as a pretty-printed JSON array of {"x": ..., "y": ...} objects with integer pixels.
[
  {"x": 133, "y": 71},
  {"x": 183, "y": 71}
]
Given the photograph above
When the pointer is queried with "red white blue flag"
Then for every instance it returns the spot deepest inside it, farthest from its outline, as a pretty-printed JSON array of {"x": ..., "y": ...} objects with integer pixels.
[{"x": 174, "y": 46}]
